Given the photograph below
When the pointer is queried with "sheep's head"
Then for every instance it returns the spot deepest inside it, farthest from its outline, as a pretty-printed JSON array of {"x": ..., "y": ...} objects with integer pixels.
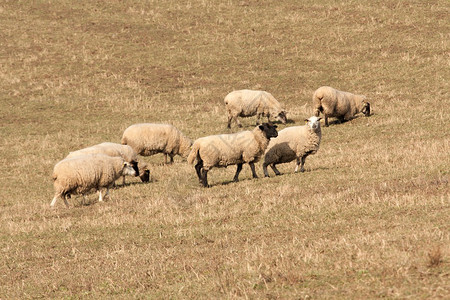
[
  {"x": 145, "y": 176},
  {"x": 269, "y": 130},
  {"x": 365, "y": 108},
  {"x": 134, "y": 165},
  {"x": 185, "y": 147},
  {"x": 144, "y": 172},
  {"x": 364, "y": 105},
  {"x": 313, "y": 122},
  {"x": 282, "y": 117},
  {"x": 128, "y": 169}
]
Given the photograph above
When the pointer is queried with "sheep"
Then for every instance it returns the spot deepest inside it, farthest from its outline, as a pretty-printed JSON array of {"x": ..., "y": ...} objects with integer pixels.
[
  {"x": 148, "y": 139},
  {"x": 231, "y": 149},
  {"x": 81, "y": 174},
  {"x": 114, "y": 149},
  {"x": 343, "y": 105},
  {"x": 247, "y": 103},
  {"x": 295, "y": 142}
]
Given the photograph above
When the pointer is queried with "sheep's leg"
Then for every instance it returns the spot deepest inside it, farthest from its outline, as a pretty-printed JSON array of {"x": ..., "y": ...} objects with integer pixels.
[
  {"x": 266, "y": 174},
  {"x": 165, "y": 158},
  {"x": 252, "y": 166},
  {"x": 317, "y": 112},
  {"x": 123, "y": 180},
  {"x": 275, "y": 169},
  {"x": 258, "y": 119},
  {"x": 171, "y": 158},
  {"x": 297, "y": 164},
  {"x": 326, "y": 120},
  {"x": 65, "y": 201},
  {"x": 301, "y": 162},
  {"x": 198, "y": 169},
  {"x": 100, "y": 197},
  {"x": 107, "y": 193},
  {"x": 238, "y": 170},
  {"x": 54, "y": 200},
  {"x": 238, "y": 122},
  {"x": 205, "y": 178},
  {"x": 229, "y": 120}
]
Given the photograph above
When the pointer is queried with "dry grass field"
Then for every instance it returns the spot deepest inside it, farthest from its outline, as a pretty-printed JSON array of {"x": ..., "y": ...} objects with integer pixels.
[{"x": 370, "y": 217}]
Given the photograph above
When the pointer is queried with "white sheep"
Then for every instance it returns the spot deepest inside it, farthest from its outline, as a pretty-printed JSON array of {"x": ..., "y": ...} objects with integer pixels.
[
  {"x": 148, "y": 139},
  {"x": 247, "y": 103},
  {"x": 231, "y": 149},
  {"x": 342, "y": 105},
  {"x": 295, "y": 142},
  {"x": 114, "y": 149},
  {"x": 81, "y": 174}
]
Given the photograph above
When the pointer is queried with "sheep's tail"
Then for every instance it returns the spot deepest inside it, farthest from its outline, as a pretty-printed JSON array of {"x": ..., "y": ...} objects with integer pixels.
[
  {"x": 317, "y": 103},
  {"x": 124, "y": 141},
  {"x": 194, "y": 153}
]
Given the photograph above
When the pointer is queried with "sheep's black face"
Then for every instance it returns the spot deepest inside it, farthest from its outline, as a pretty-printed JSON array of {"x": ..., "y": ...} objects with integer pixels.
[
  {"x": 269, "y": 130},
  {"x": 145, "y": 177},
  {"x": 134, "y": 164},
  {"x": 282, "y": 117},
  {"x": 366, "y": 109}
]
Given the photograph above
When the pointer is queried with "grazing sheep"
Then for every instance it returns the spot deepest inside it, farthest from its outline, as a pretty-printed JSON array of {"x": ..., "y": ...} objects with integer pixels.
[
  {"x": 247, "y": 103},
  {"x": 148, "y": 139},
  {"x": 342, "y": 105},
  {"x": 111, "y": 149},
  {"x": 81, "y": 174},
  {"x": 231, "y": 149},
  {"x": 295, "y": 142}
]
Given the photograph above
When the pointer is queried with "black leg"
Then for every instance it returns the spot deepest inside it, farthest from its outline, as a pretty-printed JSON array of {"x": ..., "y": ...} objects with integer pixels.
[
  {"x": 274, "y": 168},
  {"x": 198, "y": 169},
  {"x": 252, "y": 166},
  {"x": 238, "y": 170},
  {"x": 266, "y": 174},
  {"x": 205, "y": 178}
]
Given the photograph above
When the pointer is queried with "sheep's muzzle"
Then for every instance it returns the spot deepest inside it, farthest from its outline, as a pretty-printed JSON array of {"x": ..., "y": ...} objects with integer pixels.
[{"x": 366, "y": 109}]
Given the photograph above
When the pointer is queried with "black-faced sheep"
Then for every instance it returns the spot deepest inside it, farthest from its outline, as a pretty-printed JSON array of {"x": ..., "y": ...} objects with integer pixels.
[
  {"x": 114, "y": 149},
  {"x": 231, "y": 149}
]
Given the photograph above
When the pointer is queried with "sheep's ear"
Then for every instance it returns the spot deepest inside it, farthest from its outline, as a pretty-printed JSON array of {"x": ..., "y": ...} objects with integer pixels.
[
  {"x": 320, "y": 118},
  {"x": 261, "y": 127},
  {"x": 306, "y": 120}
]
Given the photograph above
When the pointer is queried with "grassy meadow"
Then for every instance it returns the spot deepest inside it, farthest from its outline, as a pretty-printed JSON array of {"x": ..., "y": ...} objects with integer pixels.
[{"x": 370, "y": 217}]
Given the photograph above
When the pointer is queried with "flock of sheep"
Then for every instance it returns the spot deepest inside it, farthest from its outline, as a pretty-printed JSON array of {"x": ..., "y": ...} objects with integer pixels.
[{"x": 98, "y": 167}]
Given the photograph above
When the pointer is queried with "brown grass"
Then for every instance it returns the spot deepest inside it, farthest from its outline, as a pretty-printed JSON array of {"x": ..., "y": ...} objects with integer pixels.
[{"x": 368, "y": 219}]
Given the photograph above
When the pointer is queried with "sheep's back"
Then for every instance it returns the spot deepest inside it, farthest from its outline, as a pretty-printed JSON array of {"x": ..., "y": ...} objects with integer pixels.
[
  {"x": 146, "y": 137},
  {"x": 244, "y": 102},
  {"x": 224, "y": 149},
  {"x": 284, "y": 148},
  {"x": 85, "y": 172}
]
